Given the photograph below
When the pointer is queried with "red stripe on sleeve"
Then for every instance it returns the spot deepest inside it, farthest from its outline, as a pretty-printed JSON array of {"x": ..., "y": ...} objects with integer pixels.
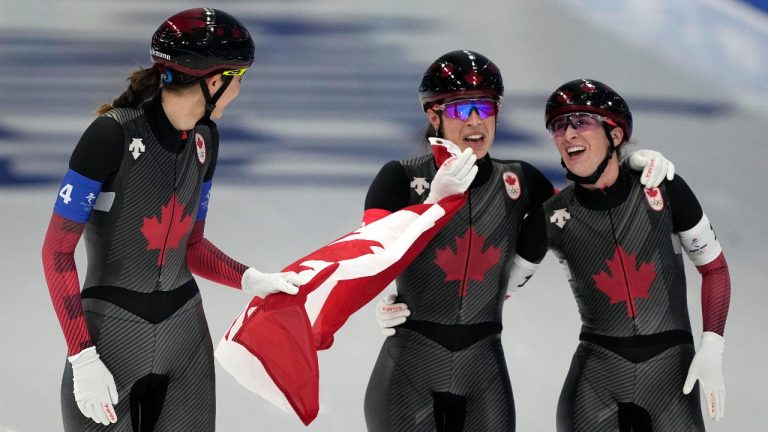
[
  {"x": 63, "y": 283},
  {"x": 715, "y": 294},
  {"x": 207, "y": 261}
]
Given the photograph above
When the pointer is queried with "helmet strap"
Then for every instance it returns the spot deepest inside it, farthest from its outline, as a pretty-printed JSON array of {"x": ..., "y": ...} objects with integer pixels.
[
  {"x": 438, "y": 130},
  {"x": 592, "y": 179},
  {"x": 210, "y": 101}
]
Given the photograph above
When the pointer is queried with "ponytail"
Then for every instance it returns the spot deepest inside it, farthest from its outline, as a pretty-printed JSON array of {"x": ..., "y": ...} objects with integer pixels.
[{"x": 142, "y": 84}]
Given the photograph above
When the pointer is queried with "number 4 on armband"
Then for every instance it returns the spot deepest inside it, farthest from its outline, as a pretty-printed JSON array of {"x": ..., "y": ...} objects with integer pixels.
[{"x": 66, "y": 193}]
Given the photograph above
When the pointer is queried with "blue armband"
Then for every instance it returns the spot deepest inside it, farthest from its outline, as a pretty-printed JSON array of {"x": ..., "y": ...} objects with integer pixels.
[
  {"x": 205, "y": 196},
  {"x": 77, "y": 195}
]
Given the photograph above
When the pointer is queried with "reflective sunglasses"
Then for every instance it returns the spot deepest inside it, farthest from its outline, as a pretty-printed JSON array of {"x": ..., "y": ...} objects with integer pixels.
[
  {"x": 579, "y": 121},
  {"x": 462, "y": 109}
]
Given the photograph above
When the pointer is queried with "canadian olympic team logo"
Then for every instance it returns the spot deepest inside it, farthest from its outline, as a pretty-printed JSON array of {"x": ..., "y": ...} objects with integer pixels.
[
  {"x": 200, "y": 145},
  {"x": 512, "y": 184},
  {"x": 653, "y": 195}
]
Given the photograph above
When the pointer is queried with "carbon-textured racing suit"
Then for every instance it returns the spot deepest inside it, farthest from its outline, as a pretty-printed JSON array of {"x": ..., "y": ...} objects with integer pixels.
[
  {"x": 445, "y": 369},
  {"x": 139, "y": 189},
  {"x": 622, "y": 250}
]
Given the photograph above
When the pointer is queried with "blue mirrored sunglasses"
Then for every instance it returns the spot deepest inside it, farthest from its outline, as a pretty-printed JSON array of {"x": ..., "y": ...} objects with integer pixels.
[{"x": 462, "y": 109}]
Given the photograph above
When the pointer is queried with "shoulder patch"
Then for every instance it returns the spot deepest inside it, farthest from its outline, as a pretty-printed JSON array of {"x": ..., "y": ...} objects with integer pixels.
[
  {"x": 512, "y": 184},
  {"x": 200, "y": 146},
  {"x": 655, "y": 200}
]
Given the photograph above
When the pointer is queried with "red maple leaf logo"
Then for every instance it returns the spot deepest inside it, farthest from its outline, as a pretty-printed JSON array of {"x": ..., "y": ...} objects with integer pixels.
[
  {"x": 652, "y": 192},
  {"x": 166, "y": 232},
  {"x": 511, "y": 180},
  {"x": 470, "y": 262},
  {"x": 624, "y": 281},
  {"x": 337, "y": 251}
]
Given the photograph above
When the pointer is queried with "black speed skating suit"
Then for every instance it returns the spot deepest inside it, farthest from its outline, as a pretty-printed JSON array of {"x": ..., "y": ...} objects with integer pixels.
[
  {"x": 621, "y": 251},
  {"x": 444, "y": 369},
  {"x": 141, "y": 304}
]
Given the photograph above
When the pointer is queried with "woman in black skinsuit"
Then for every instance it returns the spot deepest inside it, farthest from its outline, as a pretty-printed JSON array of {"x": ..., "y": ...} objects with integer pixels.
[{"x": 138, "y": 186}]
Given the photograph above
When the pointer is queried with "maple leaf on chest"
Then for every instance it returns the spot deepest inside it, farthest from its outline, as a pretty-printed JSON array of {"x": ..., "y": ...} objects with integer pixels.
[
  {"x": 469, "y": 262},
  {"x": 624, "y": 281},
  {"x": 166, "y": 232}
]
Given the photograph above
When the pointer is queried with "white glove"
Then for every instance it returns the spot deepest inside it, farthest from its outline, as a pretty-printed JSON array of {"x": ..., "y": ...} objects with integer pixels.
[
  {"x": 707, "y": 368},
  {"x": 95, "y": 389},
  {"x": 654, "y": 165},
  {"x": 453, "y": 177},
  {"x": 390, "y": 314},
  {"x": 261, "y": 284}
]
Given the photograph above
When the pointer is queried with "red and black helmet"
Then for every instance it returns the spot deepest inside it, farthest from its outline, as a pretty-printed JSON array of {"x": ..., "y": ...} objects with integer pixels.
[
  {"x": 200, "y": 41},
  {"x": 591, "y": 96},
  {"x": 460, "y": 73}
]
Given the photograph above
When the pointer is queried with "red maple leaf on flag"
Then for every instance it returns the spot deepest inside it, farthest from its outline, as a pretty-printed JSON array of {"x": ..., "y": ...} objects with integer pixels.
[
  {"x": 469, "y": 262},
  {"x": 340, "y": 251},
  {"x": 625, "y": 281},
  {"x": 166, "y": 232}
]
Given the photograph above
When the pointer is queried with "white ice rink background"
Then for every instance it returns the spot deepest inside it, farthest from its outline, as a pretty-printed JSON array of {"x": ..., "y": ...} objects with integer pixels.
[{"x": 331, "y": 98}]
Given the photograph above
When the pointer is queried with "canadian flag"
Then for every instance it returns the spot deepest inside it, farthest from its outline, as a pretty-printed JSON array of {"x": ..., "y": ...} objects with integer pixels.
[{"x": 271, "y": 347}]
